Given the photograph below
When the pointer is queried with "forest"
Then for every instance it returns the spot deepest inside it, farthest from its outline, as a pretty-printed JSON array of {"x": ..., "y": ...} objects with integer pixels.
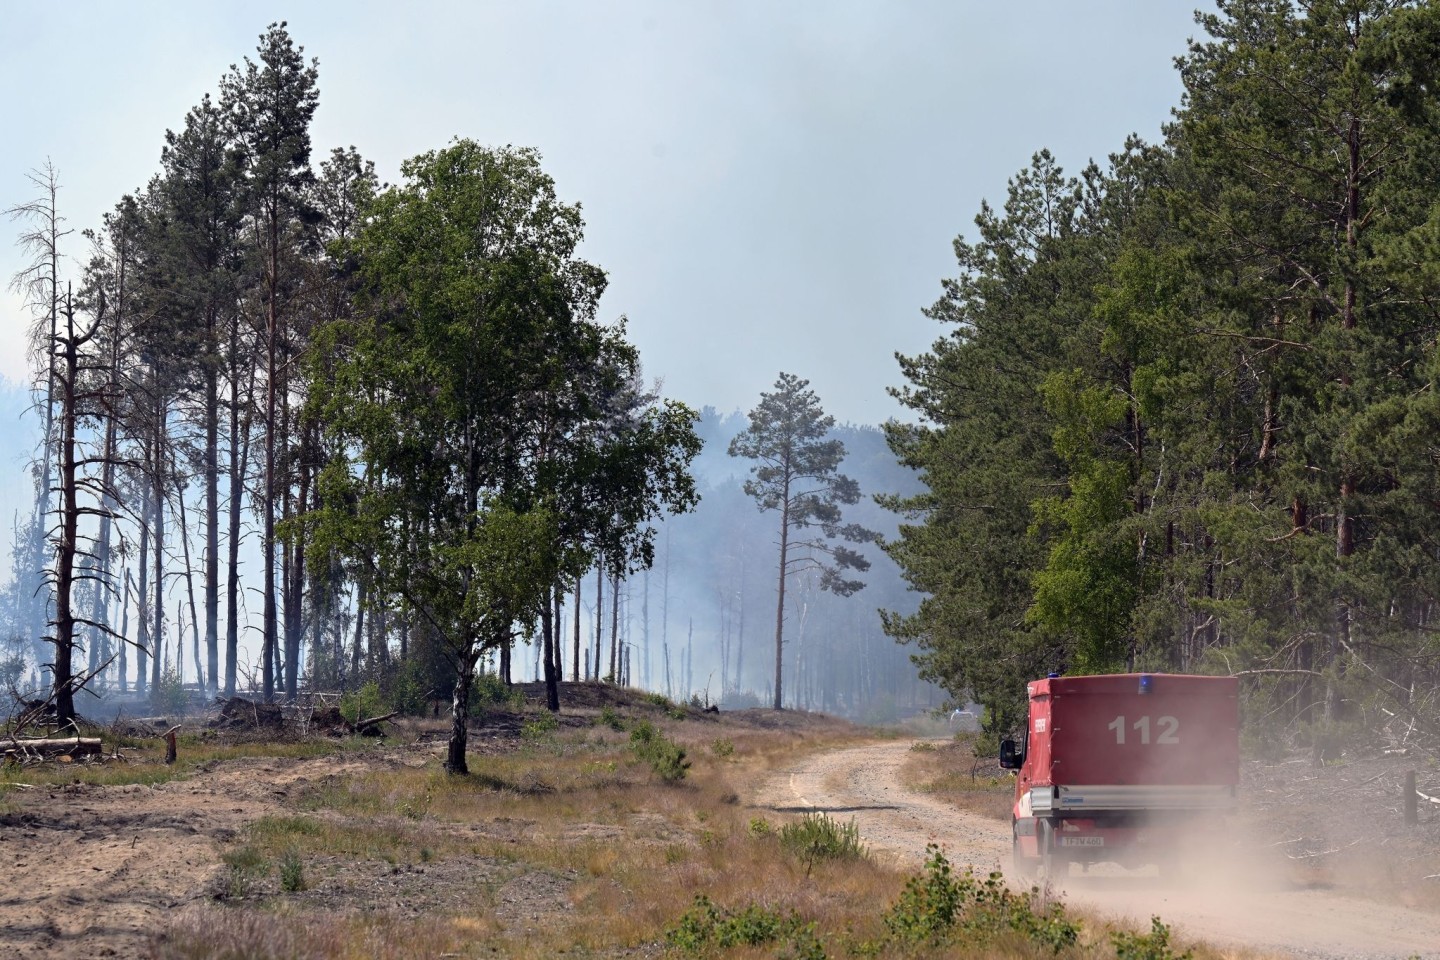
[
  {"x": 303, "y": 431},
  {"x": 1183, "y": 414}
]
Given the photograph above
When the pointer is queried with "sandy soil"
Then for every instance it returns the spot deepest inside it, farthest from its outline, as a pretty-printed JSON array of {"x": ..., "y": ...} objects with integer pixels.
[
  {"x": 94, "y": 871},
  {"x": 1243, "y": 906},
  {"x": 97, "y": 871}
]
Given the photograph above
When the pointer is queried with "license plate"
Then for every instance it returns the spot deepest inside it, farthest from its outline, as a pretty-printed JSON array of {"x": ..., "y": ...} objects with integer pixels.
[{"x": 1082, "y": 841}]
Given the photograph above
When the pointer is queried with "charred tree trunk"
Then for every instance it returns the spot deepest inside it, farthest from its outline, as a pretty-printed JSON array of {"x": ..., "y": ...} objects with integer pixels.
[
  {"x": 548, "y": 624},
  {"x": 158, "y": 477},
  {"x": 143, "y": 648}
]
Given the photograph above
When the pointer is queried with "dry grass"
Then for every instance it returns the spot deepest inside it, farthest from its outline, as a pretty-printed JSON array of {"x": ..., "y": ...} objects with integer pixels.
[
  {"x": 561, "y": 842},
  {"x": 951, "y": 770},
  {"x": 130, "y": 761},
  {"x": 621, "y": 853}
]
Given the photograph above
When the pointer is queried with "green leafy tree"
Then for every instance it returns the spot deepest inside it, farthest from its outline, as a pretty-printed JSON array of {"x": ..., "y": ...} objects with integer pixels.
[
  {"x": 446, "y": 398},
  {"x": 798, "y": 476}
]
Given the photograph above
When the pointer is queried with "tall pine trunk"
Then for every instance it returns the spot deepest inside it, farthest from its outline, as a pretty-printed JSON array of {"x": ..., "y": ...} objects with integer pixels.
[
  {"x": 212, "y": 505},
  {"x": 780, "y": 593}
]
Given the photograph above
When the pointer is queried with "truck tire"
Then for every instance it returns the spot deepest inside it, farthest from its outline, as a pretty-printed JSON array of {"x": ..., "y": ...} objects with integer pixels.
[
  {"x": 1052, "y": 860},
  {"x": 1026, "y": 868}
]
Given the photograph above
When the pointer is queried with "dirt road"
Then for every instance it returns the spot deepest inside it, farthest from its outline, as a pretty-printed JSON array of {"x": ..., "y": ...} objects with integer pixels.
[{"x": 1241, "y": 909}]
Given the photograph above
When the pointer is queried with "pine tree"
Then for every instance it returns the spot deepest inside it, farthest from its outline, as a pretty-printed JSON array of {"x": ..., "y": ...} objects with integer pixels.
[{"x": 798, "y": 476}]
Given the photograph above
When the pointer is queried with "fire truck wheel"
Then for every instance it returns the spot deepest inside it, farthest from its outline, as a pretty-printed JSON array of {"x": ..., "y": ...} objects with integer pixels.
[
  {"x": 1052, "y": 861},
  {"x": 1025, "y": 868}
]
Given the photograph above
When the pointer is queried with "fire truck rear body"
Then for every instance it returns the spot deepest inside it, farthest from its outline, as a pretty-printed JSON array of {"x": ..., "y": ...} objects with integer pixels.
[{"x": 1118, "y": 767}]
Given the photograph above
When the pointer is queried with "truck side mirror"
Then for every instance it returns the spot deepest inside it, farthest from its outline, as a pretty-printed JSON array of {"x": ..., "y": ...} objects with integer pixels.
[{"x": 1009, "y": 758}]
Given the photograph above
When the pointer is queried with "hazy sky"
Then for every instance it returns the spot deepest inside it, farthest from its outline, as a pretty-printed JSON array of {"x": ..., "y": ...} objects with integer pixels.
[{"x": 771, "y": 186}]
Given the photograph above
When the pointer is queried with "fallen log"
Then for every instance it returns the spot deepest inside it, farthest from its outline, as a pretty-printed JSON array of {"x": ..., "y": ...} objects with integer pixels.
[
  {"x": 371, "y": 727},
  {"x": 51, "y": 747}
]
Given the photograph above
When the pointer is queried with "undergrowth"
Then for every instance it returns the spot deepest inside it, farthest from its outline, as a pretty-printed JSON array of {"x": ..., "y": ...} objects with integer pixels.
[
  {"x": 939, "y": 906},
  {"x": 666, "y": 758},
  {"x": 816, "y": 836}
]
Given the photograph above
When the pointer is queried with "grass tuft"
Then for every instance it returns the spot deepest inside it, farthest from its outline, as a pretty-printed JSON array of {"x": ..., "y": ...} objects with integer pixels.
[{"x": 816, "y": 836}]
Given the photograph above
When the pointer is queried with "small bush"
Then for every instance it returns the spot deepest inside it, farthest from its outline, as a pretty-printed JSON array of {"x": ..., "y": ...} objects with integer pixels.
[
  {"x": 12, "y": 668},
  {"x": 168, "y": 697},
  {"x": 938, "y": 906},
  {"x": 658, "y": 700},
  {"x": 407, "y": 691},
  {"x": 488, "y": 690},
  {"x": 292, "y": 873},
  {"x": 247, "y": 865},
  {"x": 1154, "y": 945},
  {"x": 705, "y": 927},
  {"x": 542, "y": 726},
  {"x": 666, "y": 758},
  {"x": 723, "y": 748},
  {"x": 609, "y": 718},
  {"x": 363, "y": 704},
  {"x": 760, "y": 827},
  {"x": 818, "y": 837}
]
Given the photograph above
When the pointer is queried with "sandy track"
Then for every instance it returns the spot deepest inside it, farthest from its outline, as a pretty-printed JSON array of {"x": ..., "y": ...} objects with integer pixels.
[{"x": 1243, "y": 909}]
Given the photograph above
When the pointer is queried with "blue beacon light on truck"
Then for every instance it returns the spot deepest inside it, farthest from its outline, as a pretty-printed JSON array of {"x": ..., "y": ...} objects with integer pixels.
[{"x": 1146, "y": 683}]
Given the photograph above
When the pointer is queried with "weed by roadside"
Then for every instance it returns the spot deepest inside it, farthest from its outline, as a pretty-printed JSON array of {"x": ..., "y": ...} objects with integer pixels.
[
  {"x": 816, "y": 836},
  {"x": 705, "y": 928},
  {"x": 938, "y": 905},
  {"x": 1154, "y": 945}
]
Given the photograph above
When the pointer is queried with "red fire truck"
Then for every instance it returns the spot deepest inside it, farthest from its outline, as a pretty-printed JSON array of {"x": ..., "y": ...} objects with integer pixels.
[{"x": 1120, "y": 768}]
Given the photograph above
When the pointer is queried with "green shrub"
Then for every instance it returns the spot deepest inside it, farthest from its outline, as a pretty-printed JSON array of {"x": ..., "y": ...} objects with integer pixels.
[
  {"x": 705, "y": 927},
  {"x": 247, "y": 865},
  {"x": 609, "y": 718},
  {"x": 658, "y": 700},
  {"x": 12, "y": 668},
  {"x": 542, "y": 726},
  {"x": 723, "y": 748},
  {"x": 407, "y": 691},
  {"x": 938, "y": 906},
  {"x": 760, "y": 827},
  {"x": 363, "y": 704},
  {"x": 168, "y": 697},
  {"x": 818, "y": 837},
  {"x": 292, "y": 873},
  {"x": 1154, "y": 945},
  {"x": 666, "y": 758},
  {"x": 489, "y": 690}
]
